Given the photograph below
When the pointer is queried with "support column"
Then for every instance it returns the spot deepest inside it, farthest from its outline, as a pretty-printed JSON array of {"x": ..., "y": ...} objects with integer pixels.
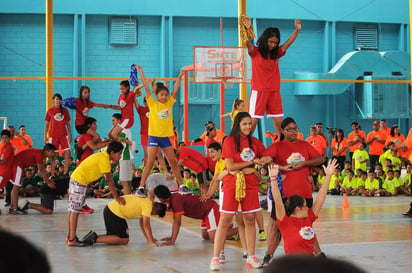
[{"x": 49, "y": 54}]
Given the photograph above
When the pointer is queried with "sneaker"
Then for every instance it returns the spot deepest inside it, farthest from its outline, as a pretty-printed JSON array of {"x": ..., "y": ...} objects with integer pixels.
[
  {"x": 75, "y": 242},
  {"x": 222, "y": 258},
  {"x": 262, "y": 236},
  {"x": 17, "y": 211},
  {"x": 253, "y": 262},
  {"x": 266, "y": 260},
  {"x": 244, "y": 255},
  {"x": 140, "y": 192},
  {"x": 184, "y": 190},
  {"x": 26, "y": 205},
  {"x": 89, "y": 239},
  {"x": 214, "y": 264},
  {"x": 408, "y": 213},
  {"x": 377, "y": 194},
  {"x": 86, "y": 209},
  {"x": 235, "y": 237}
]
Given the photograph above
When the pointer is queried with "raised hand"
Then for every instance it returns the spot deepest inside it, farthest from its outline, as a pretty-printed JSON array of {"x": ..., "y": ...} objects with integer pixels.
[
  {"x": 332, "y": 165},
  {"x": 273, "y": 170},
  {"x": 298, "y": 25}
]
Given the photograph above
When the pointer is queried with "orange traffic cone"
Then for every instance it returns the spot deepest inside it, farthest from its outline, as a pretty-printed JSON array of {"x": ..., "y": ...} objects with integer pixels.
[{"x": 345, "y": 203}]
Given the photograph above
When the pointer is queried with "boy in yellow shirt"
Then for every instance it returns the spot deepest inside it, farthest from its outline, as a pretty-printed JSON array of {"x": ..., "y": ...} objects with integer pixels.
[
  {"x": 115, "y": 215},
  {"x": 87, "y": 172}
]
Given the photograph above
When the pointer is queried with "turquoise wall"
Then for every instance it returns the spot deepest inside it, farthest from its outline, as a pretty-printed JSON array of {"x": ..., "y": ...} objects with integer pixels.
[{"x": 167, "y": 32}]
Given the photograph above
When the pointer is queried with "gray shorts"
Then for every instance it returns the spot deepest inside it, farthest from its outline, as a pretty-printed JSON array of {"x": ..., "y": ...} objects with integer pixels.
[
  {"x": 77, "y": 196},
  {"x": 125, "y": 173}
]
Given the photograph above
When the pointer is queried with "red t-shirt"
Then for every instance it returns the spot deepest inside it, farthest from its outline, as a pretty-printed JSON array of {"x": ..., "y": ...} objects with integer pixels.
[
  {"x": 246, "y": 154},
  {"x": 265, "y": 71},
  {"x": 82, "y": 111},
  {"x": 126, "y": 105},
  {"x": 298, "y": 234},
  {"x": 285, "y": 153},
  {"x": 190, "y": 206},
  {"x": 57, "y": 121},
  {"x": 6, "y": 151},
  {"x": 210, "y": 162},
  {"x": 83, "y": 139},
  {"x": 376, "y": 148},
  {"x": 351, "y": 138},
  {"x": 192, "y": 159},
  {"x": 317, "y": 142},
  {"x": 144, "y": 119},
  {"x": 29, "y": 158}
]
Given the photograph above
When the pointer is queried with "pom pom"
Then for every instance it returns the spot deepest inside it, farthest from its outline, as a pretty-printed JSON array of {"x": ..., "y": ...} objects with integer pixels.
[
  {"x": 133, "y": 75},
  {"x": 69, "y": 102}
]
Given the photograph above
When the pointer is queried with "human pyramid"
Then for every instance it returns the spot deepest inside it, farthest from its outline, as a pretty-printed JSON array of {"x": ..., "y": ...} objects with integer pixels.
[{"x": 232, "y": 161}]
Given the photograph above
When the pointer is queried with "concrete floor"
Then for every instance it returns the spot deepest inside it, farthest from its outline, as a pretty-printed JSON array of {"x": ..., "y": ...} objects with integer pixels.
[{"x": 372, "y": 233}]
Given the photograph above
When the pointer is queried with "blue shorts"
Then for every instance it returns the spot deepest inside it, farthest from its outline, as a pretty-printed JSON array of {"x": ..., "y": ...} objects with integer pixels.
[{"x": 162, "y": 142}]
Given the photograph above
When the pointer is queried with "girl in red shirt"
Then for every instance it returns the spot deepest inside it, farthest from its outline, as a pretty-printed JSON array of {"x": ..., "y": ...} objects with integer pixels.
[
  {"x": 294, "y": 218},
  {"x": 265, "y": 82},
  {"x": 57, "y": 130},
  {"x": 240, "y": 190},
  {"x": 83, "y": 106}
]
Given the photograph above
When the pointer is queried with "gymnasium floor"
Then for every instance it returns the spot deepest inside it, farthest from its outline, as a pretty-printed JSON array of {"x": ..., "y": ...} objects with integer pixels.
[{"x": 372, "y": 233}]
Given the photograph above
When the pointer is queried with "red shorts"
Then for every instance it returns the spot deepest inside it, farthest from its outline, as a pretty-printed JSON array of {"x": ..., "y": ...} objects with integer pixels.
[
  {"x": 62, "y": 142},
  {"x": 144, "y": 139},
  {"x": 4, "y": 178},
  {"x": 18, "y": 173},
  {"x": 212, "y": 219},
  {"x": 269, "y": 102},
  {"x": 248, "y": 204}
]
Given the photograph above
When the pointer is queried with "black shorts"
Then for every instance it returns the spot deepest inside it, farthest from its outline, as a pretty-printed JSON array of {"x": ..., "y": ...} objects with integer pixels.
[
  {"x": 203, "y": 177},
  {"x": 114, "y": 224},
  {"x": 47, "y": 200},
  {"x": 82, "y": 129},
  {"x": 309, "y": 203}
]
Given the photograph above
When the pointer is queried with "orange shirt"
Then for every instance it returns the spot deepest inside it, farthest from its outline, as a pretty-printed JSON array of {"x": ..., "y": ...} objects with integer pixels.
[
  {"x": 219, "y": 136},
  {"x": 396, "y": 139},
  {"x": 376, "y": 148},
  {"x": 351, "y": 138},
  {"x": 338, "y": 146},
  {"x": 18, "y": 143},
  {"x": 317, "y": 142},
  {"x": 387, "y": 131}
]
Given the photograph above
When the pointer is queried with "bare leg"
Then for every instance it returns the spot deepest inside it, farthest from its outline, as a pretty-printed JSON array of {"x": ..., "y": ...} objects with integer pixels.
[
  {"x": 254, "y": 123},
  {"x": 73, "y": 219},
  {"x": 250, "y": 230},
  {"x": 151, "y": 157},
  {"x": 241, "y": 229},
  {"x": 259, "y": 220},
  {"x": 274, "y": 236},
  {"x": 316, "y": 246},
  {"x": 169, "y": 153},
  {"x": 112, "y": 240},
  {"x": 115, "y": 132},
  {"x": 277, "y": 121},
  {"x": 220, "y": 236},
  {"x": 126, "y": 187},
  {"x": 162, "y": 161},
  {"x": 144, "y": 155},
  {"x": 66, "y": 160},
  {"x": 40, "y": 208},
  {"x": 230, "y": 232},
  {"x": 15, "y": 197}
]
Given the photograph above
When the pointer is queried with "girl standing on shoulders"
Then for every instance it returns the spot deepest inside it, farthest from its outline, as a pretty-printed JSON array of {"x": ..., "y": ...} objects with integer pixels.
[
  {"x": 265, "y": 82},
  {"x": 57, "y": 130},
  {"x": 84, "y": 104},
  {"x": 240, "y": 190},
  {"x": 160, "y": 129}
]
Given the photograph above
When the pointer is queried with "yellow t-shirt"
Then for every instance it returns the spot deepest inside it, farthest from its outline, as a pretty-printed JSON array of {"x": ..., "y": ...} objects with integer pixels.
[
  {"x": 161, "y": 118},
  {"x": 390, "y": 185},
  {"x": 220, "y": 166},
  {"x": 135, "y": 207},
  {"x": 359, "y": 156},
  {"x": 369, "y": 185},
  {"x": 321, "y": 179},
  {"x": 92, "y": 168},
  {"x": 349, "y": 183},
  {"x": 407, "y": 179}
]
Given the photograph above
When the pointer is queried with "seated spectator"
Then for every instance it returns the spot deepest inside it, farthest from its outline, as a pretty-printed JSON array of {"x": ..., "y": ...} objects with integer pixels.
[
  {"x": 372, "y": 185},
  {"x": 30, "y": 184},
  {"x": 349, "y": 183},
  {"x": 347, "y": 166},
  {"x": 389, "y": 186}
]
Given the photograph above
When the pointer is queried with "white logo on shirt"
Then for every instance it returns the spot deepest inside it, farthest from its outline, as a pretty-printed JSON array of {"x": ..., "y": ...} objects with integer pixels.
[
  {"x": 58, "y": 117},
  {"x": 307, "y": 233}
]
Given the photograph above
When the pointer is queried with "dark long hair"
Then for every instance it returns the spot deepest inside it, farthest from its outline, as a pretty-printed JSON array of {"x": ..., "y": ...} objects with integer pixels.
[
  {"x": 61, "y": 98},
  {"x": 235, "y": 132},
  {"x": 336, "y": 135},
  {"x": 293, "y": 202},
  {"x": 262, "y": 42},
  {"x": 393, "y": 130},
  {"x": 126, "y": 84},
  {"x": 286, "y": 122},
  {"x": 86, "y": 101}
]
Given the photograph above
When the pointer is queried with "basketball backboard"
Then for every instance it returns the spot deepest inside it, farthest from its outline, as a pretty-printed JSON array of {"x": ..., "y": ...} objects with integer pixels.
[{"x": 220, "y": 64}]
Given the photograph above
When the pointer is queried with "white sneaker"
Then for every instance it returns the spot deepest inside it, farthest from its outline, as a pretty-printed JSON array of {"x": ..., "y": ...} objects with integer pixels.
[
  {"x": 244, "y": 255},
  {"x": 222, "y": 258},
  {"x": 253, "y": 261},
  {"x": 214, "y": 264}
]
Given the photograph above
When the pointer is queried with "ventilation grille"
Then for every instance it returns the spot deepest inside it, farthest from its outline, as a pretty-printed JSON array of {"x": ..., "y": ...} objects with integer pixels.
[
  {"x": 123, "y": 31},
  {"x": 366, "y": 37}
]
